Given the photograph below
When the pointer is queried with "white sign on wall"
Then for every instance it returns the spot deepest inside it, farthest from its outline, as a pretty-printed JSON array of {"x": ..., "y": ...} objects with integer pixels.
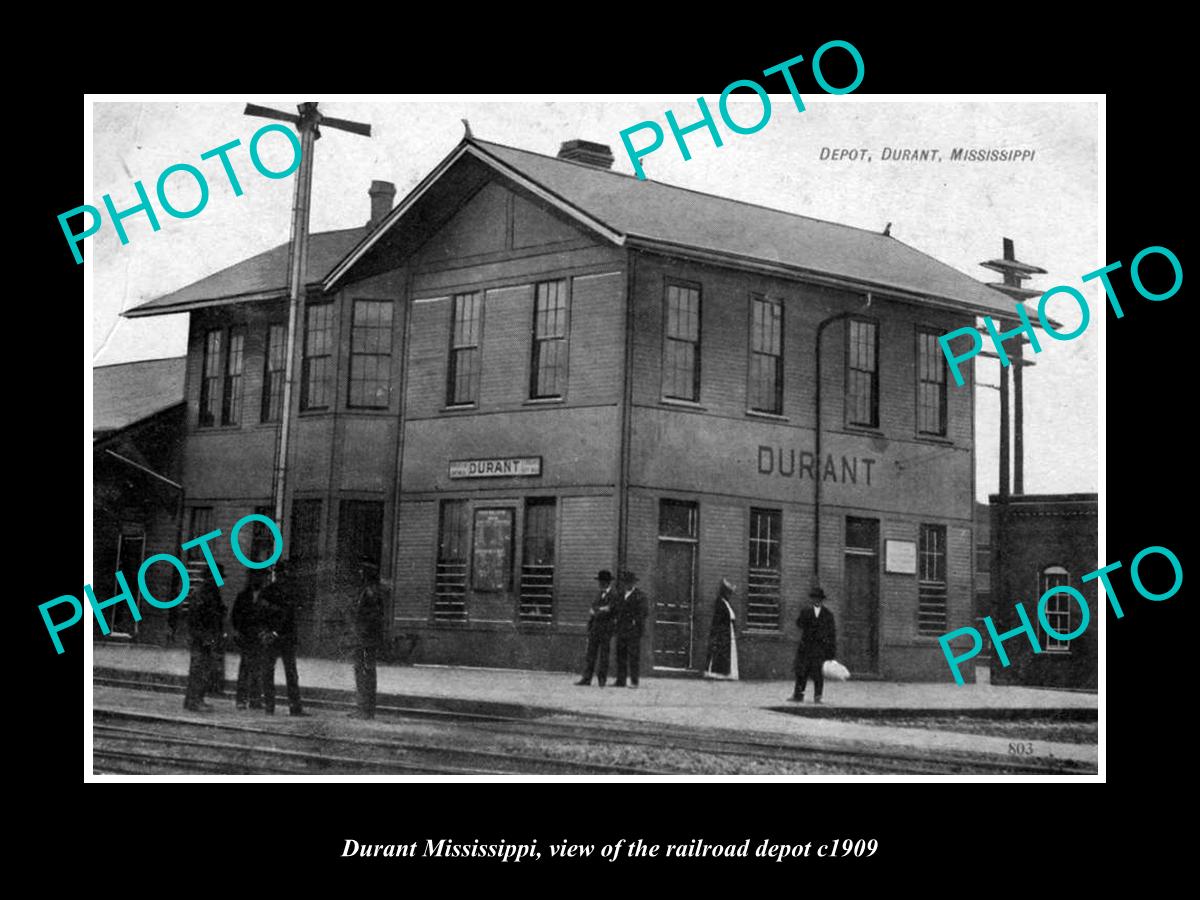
[
  {"x": 901, "y": 557},
  {"x": 496, "y": 468}
]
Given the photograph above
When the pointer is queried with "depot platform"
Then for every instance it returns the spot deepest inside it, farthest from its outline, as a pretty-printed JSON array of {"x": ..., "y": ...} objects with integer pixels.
[{"x": 739, "y": 706}]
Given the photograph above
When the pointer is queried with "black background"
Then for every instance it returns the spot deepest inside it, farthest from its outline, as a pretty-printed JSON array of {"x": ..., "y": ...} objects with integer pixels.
[{"x": 946, "y": 836}]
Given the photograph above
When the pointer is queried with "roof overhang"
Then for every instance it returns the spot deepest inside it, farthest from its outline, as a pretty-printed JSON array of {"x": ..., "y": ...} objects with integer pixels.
[
  {"x": 189, "y": 305},
  {"x": 813, "y": 276},
  {"x": 466, "y": 148}
]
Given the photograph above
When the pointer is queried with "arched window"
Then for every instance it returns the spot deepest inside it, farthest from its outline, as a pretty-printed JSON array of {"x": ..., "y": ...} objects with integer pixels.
[{"x": 1060, "y": 610}]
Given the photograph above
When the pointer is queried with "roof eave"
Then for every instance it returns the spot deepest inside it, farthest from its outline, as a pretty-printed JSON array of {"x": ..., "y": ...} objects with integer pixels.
[
  {"x": 812, "y": 275},
  {"x": 139, "y": 312}
]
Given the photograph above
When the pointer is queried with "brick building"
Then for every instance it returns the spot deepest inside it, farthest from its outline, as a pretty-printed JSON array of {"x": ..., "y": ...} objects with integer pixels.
[
  {"x": 1040, "y": 541},
  {"x": 533, "y": 368}
]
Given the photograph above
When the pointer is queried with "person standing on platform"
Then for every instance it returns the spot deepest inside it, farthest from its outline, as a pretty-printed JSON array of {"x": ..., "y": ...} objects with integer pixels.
[
  {"x": 368, "y": 634},
  {"x": 206, "y": 623},
  {"x": 631, "y": 620},
  {"x": 722, "y": 659},
  {"x": 279, "y": 613},
  {"x": 599, "y": 631},
  {"x": 247, "y": 620},
  {"x": 818, "y": 642}
]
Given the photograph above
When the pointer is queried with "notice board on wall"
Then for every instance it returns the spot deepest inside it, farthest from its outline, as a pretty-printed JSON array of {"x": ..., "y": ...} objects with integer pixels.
[{"x": 493, "y": 549}]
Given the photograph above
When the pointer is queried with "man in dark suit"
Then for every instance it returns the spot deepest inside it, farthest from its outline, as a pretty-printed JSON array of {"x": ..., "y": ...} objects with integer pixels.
[
  {"x": 279, "y": 641},
  {"x": 206, "y": 624},
  {"x": 368, "y": 636},
  {"x": 818, "y": 642},
  {"x": 599, "y": 630},
  {"x": 247, "y": 622},
  {"x": 631, "y": 620}
]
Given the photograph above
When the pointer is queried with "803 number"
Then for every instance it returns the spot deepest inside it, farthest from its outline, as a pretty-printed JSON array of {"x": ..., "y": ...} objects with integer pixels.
[{"x": 1021, "y": 748}]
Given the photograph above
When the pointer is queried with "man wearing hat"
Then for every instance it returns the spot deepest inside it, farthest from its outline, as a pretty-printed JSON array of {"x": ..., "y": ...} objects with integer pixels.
[
  {"x": 368, "y": 633},
  {"x": 631, "y": 619},
  {"x": 279, "y": 641},
  {"x": 599, "y": 632},
  {"x": 206, "y": 625},
  {"x": 818, "y": 642}
]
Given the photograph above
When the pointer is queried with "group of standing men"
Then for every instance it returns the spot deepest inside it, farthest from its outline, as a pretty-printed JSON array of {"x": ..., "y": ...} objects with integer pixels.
[
  {"x": 264, "y": 627},
  {"x": 620, "y": 609}
]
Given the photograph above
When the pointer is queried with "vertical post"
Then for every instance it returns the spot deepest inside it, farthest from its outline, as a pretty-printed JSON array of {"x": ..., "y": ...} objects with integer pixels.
[
  {"x": 297, "y": 273},
  {"x": 1018, "y": 421},
  {"x": 1004, "y": 433}
]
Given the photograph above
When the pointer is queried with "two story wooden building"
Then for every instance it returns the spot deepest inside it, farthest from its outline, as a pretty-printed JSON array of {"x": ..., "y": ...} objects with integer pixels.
[{"x": 533, "y": 368}]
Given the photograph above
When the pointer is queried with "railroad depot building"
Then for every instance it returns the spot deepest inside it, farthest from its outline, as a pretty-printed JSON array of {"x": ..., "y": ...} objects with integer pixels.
[{"x": 533, "y": 368}]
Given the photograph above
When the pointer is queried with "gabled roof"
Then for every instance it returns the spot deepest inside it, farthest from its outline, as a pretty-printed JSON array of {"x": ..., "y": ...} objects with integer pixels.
[
  {"x": 128, "y": 392},
  {"x": 261, "y": 277},
  {"x": 629, "y": 211}
]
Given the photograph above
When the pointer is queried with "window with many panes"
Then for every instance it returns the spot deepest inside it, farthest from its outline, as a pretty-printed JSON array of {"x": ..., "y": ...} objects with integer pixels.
[
  {"x": 1060, "y": 609},
  {"x": 317, "y": 378},
  {"x": 548, "y": 372},
  {"x": 210, "y": 377},
  {"x": 235, "y": 353},
  {"x": 862, "y": 373},
  {"x": 371, "y": 354},
  {"x": 681, "y": 344},
  {"x": 766, "y": 355},
  {"x": 931, "y": 580},
  {"x": 454, "y": 547},
  {"x": 931, "y": 385},
  {"x": 466, "y": 329},
  {"x": 274, "y": 360},
  {"x": 537, "y": 561},
  {"x": 764, "y": 581}
]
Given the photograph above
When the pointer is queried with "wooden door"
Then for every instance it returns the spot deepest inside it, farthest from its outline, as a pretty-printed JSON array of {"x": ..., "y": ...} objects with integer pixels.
[{"x": 858, "y": 630}]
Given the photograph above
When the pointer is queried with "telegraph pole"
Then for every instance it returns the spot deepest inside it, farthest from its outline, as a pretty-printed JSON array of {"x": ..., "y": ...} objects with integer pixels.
[{"x": 307, "y": 122}]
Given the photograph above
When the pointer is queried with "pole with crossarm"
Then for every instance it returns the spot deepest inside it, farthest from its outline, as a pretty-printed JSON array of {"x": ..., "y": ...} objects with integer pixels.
[{"x": 307, "y": 122}]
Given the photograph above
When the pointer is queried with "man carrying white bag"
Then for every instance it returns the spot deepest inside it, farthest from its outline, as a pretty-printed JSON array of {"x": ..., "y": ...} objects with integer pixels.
[{"x": 818, "y": 643}]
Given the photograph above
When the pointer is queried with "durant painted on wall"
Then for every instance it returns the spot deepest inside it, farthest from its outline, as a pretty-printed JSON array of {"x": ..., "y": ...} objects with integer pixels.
[{"x": 653, "y": 350}]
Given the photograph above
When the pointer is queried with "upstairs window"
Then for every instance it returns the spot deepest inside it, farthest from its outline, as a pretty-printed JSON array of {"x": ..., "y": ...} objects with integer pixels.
[
  {"x": 862, "y": 374},
  {"x": 931, "y": 385},
  {"x": 273, "y": 372},
  {"x": 466, "y": 329},
  {"x": 317, "y": 378},
  {"x": 371, "y": 354},
  {"x": 210, "y": 377},
  {"x": 548, "y": 373},
  {"x": 681, "y": 344},
  {"x": 231, "y": 406},
  {"x": 766, "y": 355}
]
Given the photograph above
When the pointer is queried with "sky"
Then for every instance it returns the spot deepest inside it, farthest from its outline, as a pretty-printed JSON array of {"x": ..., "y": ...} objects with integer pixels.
[{"x": 957, "y": 212}]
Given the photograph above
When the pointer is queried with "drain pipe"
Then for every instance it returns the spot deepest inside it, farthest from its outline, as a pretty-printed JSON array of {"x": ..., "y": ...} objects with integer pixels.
[{"x": 817, "y": 449}]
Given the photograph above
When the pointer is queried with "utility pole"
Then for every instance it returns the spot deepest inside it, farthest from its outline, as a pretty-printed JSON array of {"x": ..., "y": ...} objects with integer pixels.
[{"x": 307, "y": 122}]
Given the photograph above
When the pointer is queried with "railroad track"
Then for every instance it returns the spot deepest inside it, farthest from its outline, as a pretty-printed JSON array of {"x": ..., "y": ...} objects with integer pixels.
[{"x": 601, "y": 731}]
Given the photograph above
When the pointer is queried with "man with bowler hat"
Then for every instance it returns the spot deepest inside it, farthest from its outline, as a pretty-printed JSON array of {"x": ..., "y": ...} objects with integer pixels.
[
  {"x": 631, "y": 619},
  {"x": 368, "y": 635},
  {"x": 279, "y": 641},
  {"x": 818, "y": 642},
  {"x": 599, "y": 630}
]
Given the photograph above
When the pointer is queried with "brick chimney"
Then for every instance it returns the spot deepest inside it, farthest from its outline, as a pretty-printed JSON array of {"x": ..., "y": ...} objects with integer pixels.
[
  {"x": 383, "y": 195},
  {"x": 587, "y": 152}
]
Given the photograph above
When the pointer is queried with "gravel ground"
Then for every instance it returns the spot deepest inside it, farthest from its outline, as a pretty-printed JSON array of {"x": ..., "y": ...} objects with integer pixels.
[
  {"x": 672, "y": 761},
  {"x": 1023, "y": 730}
]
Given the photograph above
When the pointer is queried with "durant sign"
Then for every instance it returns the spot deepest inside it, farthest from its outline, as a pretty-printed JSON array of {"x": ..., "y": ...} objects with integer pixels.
[{"x": 496, "y": 468}]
